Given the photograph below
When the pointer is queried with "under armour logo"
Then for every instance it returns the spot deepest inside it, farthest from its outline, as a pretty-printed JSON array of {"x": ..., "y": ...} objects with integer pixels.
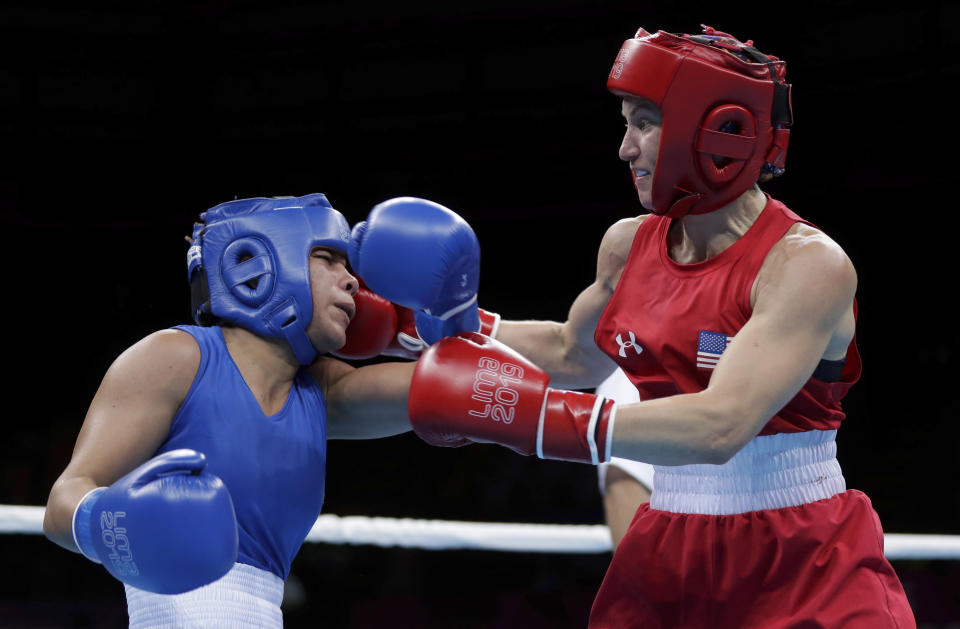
[{"x": 632, "y": 343}]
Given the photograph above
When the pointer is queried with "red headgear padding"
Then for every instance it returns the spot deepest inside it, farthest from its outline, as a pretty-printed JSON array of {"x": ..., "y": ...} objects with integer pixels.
[{"x": 713, "y": 102}]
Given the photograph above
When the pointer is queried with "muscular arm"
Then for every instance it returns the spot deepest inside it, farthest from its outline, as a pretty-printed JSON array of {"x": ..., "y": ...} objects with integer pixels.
[
  {"x": 127, "y": 421},
  {"x": 803, "y": 309},
  {"x": 365, "y": 402},
  {"x": 566, "y": 350}
]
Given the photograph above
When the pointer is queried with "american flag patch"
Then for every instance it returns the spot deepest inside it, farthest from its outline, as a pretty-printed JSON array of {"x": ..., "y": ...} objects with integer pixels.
[{"x": 709, "y": 348}]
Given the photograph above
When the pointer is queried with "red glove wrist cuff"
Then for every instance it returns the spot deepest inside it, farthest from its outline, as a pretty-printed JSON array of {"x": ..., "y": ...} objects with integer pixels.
[
  {"x": 489, "y": 323},
  {"x": 371, "y": 329},
  {"x": 575, "y": 426}
]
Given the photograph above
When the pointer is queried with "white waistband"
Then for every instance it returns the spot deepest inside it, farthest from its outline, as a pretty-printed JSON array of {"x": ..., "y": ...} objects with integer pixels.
[
  {"x": 770, "y": 472},
  {"x": 246, "y": 597}
]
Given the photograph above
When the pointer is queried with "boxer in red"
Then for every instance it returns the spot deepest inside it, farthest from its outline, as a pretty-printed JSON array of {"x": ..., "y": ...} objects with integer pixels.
[{"x": 735, "y": 319}]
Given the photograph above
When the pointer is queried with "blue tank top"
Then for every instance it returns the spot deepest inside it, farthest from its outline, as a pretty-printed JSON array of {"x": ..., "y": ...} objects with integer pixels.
[{"x": 273, "y": 466}]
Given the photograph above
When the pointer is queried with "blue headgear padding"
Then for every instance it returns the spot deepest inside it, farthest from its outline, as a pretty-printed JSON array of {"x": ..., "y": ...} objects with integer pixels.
[{"x": 251, "y": 258}]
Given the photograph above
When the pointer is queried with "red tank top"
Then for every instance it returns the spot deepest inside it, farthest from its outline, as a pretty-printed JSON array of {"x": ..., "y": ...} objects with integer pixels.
[{"x": 667, "y": 324}]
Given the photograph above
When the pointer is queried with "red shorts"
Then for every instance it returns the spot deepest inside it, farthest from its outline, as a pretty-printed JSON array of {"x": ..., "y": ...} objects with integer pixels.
[{"x": 814, "y": 565}]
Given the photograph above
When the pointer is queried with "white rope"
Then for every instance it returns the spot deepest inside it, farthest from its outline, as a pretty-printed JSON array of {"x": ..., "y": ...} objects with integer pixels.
[
  {"x": 15, "y": 519},
  {"x": 447, "y": 535},
  {"x": 499, "y": 536}
]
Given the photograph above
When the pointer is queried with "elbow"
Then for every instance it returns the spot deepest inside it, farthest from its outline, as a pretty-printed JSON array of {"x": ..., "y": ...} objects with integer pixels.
[
  {"x": 582, "y": 368},
  {"x": 717, "y": 450},
  {"x": 718, "y": 453},
  {"x": 49, "y": 530},
  {"x": 58, "y": 515},
  {"x": 726, "y": 436},
  {"x": 52, "y": 529}
]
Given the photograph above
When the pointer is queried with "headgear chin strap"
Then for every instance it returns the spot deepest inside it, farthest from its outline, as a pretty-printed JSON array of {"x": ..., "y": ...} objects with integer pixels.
[
  {"x": 249, "y": 264},
  {"x": 718, "y": 98}
]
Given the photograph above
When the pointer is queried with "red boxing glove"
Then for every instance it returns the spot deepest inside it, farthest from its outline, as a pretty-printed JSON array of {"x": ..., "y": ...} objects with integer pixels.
[
  {"x": 380, "y": 327},
  {"x": 372, "y": 329},
  {"x": 470, "y": 388},
  {"x": 405, "y": 343},
  {"x": 489, "y": 323},
  {"x": 408, "y": 343}
]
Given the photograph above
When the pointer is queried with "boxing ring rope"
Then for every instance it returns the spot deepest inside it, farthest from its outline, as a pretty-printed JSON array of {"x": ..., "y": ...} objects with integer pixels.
[{"x": 495, "y": 536}]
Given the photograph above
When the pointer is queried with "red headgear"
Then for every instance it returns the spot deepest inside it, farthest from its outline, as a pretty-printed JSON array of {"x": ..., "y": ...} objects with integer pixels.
[{"x": 718, "y": 97}]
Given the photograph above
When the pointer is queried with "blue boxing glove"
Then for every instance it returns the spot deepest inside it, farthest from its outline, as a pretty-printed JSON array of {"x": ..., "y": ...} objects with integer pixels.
[
  {"x": 421, "y": 255},
  {"x": 166, "y": 527}
]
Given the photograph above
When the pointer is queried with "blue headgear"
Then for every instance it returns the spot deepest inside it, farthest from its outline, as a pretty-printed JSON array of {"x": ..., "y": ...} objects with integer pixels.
[{"x": 249, "y": 264}]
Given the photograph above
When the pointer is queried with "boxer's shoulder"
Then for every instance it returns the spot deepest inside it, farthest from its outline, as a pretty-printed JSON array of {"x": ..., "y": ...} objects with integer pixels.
[
  {"x": 615, "y": 248},
  {"x": 805, "y": 251},
  {"x": 164, "y": 361}
]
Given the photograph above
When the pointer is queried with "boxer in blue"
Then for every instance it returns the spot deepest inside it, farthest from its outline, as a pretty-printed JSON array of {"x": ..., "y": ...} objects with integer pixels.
[{"x": 199, "y": 469}]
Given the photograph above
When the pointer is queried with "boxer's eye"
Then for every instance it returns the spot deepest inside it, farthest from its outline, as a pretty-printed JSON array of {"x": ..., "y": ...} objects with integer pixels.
[{"x": 329, "y": 256}]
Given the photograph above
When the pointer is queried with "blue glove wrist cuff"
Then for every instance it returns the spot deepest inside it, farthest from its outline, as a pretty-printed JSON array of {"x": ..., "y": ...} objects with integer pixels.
[
  {"x": 81, "y": 524},
  {"x": 431, "y": 328}
]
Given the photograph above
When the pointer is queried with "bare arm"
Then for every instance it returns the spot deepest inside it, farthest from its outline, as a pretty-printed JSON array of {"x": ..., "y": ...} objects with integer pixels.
[
  {"x": 128, "y": 419},
  {"x": 367, "y": 402},
  {"x": 566, "y": 350},
  {"x": 803, "y": 309}
]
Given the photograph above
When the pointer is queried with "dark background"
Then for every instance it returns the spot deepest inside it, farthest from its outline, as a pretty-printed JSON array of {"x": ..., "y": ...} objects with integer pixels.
[{"x": 121, "y": 121}]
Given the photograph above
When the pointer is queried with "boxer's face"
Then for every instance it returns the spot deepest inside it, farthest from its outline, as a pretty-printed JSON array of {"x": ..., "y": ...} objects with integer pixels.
[
  {"x": 640, "y": 144},
  {"x": 333, "y": 288}
]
